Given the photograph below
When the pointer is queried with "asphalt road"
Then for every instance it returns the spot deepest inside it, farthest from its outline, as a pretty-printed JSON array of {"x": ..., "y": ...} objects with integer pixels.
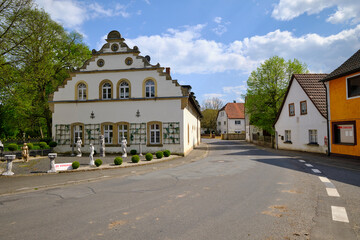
[{"x": 237, "y": 191}]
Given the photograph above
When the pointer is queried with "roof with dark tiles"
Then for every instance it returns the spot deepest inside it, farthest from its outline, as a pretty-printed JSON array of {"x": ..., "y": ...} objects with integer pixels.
[
  {"x": 234, "y": 110},
  {"x": 350, "y": 66},
  {"x": 314, "y": 89}
]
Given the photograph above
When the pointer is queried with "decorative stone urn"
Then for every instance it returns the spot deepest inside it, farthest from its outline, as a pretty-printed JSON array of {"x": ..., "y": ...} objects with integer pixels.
[
  {"x": 52, "y": 157},
  {"x": 9, "y": 159}
]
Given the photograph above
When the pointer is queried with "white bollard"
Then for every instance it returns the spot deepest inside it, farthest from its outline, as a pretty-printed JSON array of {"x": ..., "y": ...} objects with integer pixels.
[
  {"x": 52, "y": 157},
  {"x": 9, "y": 159}
]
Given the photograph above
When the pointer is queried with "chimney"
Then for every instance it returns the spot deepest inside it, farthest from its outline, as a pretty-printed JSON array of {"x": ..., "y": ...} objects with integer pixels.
[
  {"x": 234, "y": 101},
  {"x": 168, "y": 70}
]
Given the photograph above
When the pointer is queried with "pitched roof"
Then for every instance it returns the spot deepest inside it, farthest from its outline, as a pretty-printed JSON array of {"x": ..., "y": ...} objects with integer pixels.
[
  {"x": 349, "y": 66},
  {"x": 234, "y": 110},
  {"x": 314, "y": 89}
]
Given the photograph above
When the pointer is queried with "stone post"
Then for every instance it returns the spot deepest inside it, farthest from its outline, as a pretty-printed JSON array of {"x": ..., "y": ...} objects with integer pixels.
[
  {"x": 9, "y": 159},
  {"x": 140, "y": 152},
  {"x": 52, "y": 157}
]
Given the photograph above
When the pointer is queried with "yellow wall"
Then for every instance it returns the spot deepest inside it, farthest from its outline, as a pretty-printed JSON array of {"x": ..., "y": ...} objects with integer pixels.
[{"x": 342, "y": 109}]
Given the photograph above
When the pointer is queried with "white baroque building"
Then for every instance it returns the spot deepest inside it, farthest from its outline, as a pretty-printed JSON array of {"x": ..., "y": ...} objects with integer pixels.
[{"x": 118, "y": 93}]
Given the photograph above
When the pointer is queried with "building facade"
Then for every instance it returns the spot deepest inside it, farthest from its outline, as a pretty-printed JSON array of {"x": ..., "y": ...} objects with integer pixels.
[
  {"x": 118, "y": 93},
  {"x": 301, "y": 121},
  {"x": 343, "y": 95},
  {"x": 231, "y": 118}
]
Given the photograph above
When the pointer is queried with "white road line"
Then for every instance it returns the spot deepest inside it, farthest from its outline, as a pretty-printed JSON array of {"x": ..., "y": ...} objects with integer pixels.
[
  {"x": 324, "y": 179},
  {"x": 332, "y": 192},
  {"x": 309, "y": 165},
  {"x": 301, "y": 161},
  {"x": 339, "y": 214},
  {"x": 316, "y": 170}
]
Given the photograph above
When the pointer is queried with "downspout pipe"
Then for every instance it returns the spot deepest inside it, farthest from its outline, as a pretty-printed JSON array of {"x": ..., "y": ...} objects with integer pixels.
[{"x": 327, "y": 120}]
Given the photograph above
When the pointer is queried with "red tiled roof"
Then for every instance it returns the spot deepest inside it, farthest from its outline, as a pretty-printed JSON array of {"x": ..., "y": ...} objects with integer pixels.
[
  {"x": 234, "y": 110},
  {"x": 314, "y": 89}
]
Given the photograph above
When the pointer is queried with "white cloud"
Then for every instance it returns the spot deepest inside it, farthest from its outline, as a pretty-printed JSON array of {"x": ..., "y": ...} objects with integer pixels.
[
  {"x": 101, "y": 42},
  {"x": 221, "y": 28},
  {"x": 73, "y": 13},
  {"x": 186, "y": 52},
  {"x": 346, "y": 10},
  {"x": 238, "y": 91},
  {"x": 212, "y": 95}
]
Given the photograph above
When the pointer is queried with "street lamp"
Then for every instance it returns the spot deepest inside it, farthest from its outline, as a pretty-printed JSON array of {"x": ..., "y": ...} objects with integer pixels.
[{"x": 92, "y": 115}]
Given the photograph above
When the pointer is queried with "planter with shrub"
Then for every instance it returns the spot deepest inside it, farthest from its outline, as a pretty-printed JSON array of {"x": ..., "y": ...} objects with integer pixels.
[
  {"x": 75, "y": 165},
  {"x": 52, "y": 144},
  {"x": 149, "y": 156},
  {"x": 166, "y": 153},
  {"x": 118, "y": 161},
  {"x": 135, "y": 159},
  {"x": 98, "y": 162},
  {"x": 159, "y": 154}
]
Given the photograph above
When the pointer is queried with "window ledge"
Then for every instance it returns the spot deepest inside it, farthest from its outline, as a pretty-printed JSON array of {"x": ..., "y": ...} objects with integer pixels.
[
  {"x": 313, "y": 144},
  {"x": 347, "y": 144},
  {"x": 154, "y": 145},
  {"x": 288, "y": 142}
]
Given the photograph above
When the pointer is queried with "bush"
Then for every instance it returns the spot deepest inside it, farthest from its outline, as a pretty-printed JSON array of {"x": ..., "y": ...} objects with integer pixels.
[
  {"x": 98, "y": 162},
  {"x": 12, "y": 147},
  {"x": 52, "y": 144},
  {"x": 135, "y": 159},
  {"x": 166, "y": 153},
  {"x": 133, "y": 151},
  {"x": 30, "y": 146},
  {"x": 42, "y": 145},
  {"x": 149, "y": 156},
  {"x": 159, "y": 154},
  {"x": 118, "y": 161},
  {"x": 75, "y": 165}
]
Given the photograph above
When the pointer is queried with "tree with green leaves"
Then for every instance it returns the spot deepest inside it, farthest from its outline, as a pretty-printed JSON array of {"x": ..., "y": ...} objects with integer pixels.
[
  {"x": 266, "y": 89},
  {"x": 38, "y": 66},
  {"x": 210, "y": 109}
]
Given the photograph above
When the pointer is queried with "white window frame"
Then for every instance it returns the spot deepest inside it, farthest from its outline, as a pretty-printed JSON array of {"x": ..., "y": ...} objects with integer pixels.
[
  {"x": 287, "y": 135},
  {"x": 122, "y": 131},
  {"x": 237, "y": 122},
  {"x": 82, "y": 91},
  {"x": 347, "y": 89},
  {"x": 108, "y": 134},
  {"x": 149, "y": 89},
  {"x": 106, "y": 90},
  {"x": 78, "y": 132},
  {"x": 124, "y": 90},
  {"x": 313, "y": 136},
  {"x": 155, "y": 137}
]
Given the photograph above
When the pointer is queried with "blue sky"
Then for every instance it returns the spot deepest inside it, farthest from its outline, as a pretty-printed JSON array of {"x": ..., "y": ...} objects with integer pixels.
[{"x": 214, "y": 45}]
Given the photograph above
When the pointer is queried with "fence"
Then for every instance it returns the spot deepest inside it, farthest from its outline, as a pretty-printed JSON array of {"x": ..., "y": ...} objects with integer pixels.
[{"x": 267, "y": 141}]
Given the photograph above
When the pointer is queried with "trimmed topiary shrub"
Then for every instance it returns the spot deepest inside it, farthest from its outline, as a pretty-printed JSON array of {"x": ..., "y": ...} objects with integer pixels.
[
  {"x": 166, "y": 153},
  {"x": 149, "y": 156},
  {"x": 52, "y": 144},
  {"x": 30, "y": 146},
  {"x": 135, "y": 159},
  {"x": 42, "y": 145},
  {"x": 75, "y": 165},
  {"x": 159, "y": 154},
  {"x": 133, "y": 151},
  {"x": 118, "y": 161},
  {"x": 12, "y": 147},
  {"x": 98, "y": 162}
]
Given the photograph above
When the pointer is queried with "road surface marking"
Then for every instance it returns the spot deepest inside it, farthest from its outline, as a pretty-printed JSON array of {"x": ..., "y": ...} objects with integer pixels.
[
  {"x": 316, "y": 170},
  {"x": 324, "y": 179},
  {"x": 301, "y": 161},
  {"x": 332, "y": 192},
  {"x": 309, "y": 165},
  {"x": 339, "y": 214}
]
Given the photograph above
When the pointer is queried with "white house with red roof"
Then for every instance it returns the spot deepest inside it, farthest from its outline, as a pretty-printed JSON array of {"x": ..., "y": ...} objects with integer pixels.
[
  {"x": 301, "y": 123},
  {"x": 231, "y": 118}
]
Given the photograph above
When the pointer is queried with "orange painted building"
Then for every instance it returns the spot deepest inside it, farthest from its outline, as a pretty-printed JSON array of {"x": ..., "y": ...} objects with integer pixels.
[{"x": 343, "y": 96}]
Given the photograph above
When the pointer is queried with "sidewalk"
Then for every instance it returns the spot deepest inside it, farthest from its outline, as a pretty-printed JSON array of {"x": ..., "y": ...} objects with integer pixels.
[{"x": 32, "y": 176}]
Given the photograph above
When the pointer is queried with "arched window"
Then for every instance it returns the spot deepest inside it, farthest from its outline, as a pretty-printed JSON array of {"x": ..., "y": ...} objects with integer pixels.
[
  {"x": 124, "y": 90},
  {"x": 154, "y": 134},
  {"x": 149, "y": 89},
  {"x": 106, "y": 91},
  {"x": 81, "y": 91}
]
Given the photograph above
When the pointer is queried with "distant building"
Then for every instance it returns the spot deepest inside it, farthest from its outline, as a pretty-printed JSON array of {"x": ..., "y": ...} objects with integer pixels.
[
  {"x": 231, "y": 118},
  {"x": 343, "y": 94},
  {"x": 118, "y": 93},
  {"x": 301, "y": 120}
]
